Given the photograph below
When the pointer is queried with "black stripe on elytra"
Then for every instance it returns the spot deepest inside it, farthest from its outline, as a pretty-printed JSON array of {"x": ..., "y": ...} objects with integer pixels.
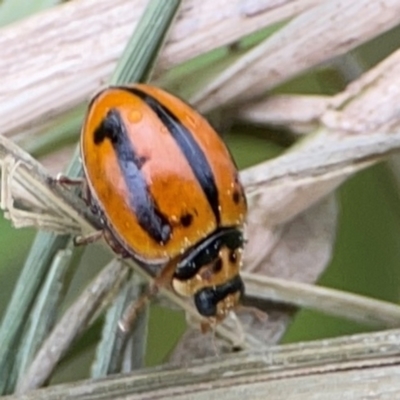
[
  {"x": 189, "y": 147},
  {"x": 150, "y": 218}
]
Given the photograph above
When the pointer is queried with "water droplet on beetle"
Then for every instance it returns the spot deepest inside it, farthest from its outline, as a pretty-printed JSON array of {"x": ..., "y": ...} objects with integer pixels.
[{"x": 134, "y": 116}]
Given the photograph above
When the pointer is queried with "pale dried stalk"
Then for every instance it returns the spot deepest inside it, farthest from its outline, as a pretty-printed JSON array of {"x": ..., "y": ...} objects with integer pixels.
[
  {"x": 319, "y": 34},
  {"x": 343, "y": 304},
  {"x": 299, "y": 113},
  {"x": 367, "y": 104},
  {"x": 53, "y": 61},
  {"x": 25, "y": 180},
  {"x": 363, "y": 116},
  {"x": 351, "y": 367}
]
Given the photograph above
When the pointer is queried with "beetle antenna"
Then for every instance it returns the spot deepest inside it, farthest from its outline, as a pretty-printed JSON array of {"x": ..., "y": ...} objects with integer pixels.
[
  {"x": 241, "y": 334},
  {"x": 214, "y": 337},
  {"x": 260, "y": 315}
]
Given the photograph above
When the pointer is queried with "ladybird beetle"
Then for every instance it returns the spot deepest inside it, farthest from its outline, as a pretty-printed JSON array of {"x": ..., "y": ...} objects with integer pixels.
[{"x": 167, "y": 189}]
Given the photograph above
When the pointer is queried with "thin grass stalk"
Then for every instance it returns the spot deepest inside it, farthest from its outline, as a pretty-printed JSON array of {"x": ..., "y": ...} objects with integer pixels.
[{"x": 350, "y": 368}]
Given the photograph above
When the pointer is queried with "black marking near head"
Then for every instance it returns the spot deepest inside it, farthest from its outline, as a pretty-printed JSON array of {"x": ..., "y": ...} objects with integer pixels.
[
  {"x": 189, "y": 147},
  {"x": 207, "y": 252},
  {"x": 150, "y": 218},
  {"x": 207, "y": 299},
  {"x": 217, "y": 266}
]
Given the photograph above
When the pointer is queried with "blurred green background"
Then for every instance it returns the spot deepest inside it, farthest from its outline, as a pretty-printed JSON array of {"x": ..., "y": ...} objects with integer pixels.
[{"x": 367, "y": 254}]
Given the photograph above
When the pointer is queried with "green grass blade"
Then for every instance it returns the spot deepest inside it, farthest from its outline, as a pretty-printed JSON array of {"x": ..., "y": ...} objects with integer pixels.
[
  {"x": 43, "y": 314},
  {"x": 137, "y": 61},
  {"x": 44, "y": 247}
]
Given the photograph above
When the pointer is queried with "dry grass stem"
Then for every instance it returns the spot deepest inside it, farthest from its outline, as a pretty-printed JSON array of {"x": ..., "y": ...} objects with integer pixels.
[
  {"x": 351, "y": 368},
  {"x": 88, "y": 46},
  {"x": 317, "y": 35}
]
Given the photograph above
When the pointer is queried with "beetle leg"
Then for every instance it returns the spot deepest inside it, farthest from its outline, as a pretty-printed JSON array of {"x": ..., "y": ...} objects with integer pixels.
[
  {"x": 86, "y": 195},
  {"x": 163, "y": 280},
  {"x": 241, "y": 337},
  {"x": 115, "y": 245},
  {"x": 87, "y": 239},
  {"x": 132, "y": 311},
  {"x": 258, "y": 314},
  {"x": 67, "y": 181}
]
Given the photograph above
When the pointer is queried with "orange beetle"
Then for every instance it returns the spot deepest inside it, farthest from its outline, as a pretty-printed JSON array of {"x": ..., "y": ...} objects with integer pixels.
[{"x": 167, "y": 190}]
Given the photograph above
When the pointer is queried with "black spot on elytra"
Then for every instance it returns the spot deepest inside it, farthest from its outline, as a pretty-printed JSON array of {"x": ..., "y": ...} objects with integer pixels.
[
  {"x": 236, "y": 197},
  {"x": 186, "y": 220}
]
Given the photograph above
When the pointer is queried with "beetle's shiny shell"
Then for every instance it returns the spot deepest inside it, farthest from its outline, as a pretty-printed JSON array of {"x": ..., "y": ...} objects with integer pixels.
[{"x": 161, "y": 176}]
